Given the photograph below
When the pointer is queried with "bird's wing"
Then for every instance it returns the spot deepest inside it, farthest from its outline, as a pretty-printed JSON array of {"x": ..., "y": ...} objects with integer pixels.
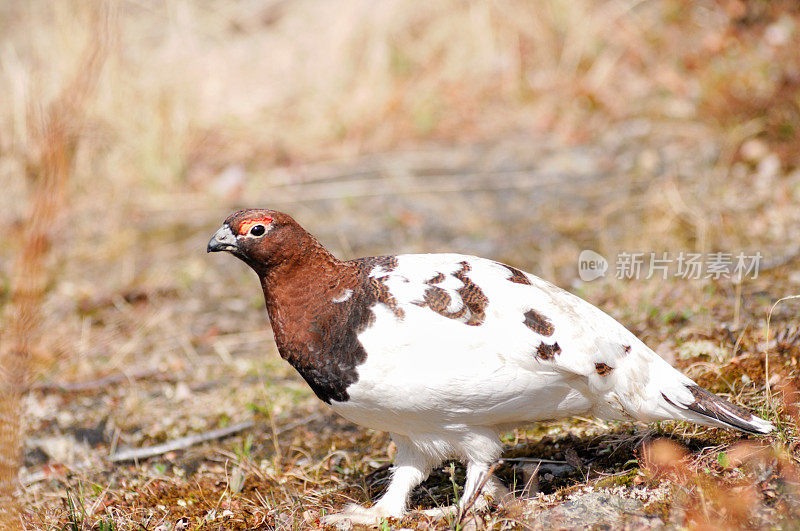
[
  {"x": 465, "y": 313},
  {"x": 549, "y": 324}
]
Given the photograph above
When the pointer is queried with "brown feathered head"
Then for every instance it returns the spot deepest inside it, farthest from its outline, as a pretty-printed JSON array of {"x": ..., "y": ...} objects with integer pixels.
[{"x": 262, "y": 238}]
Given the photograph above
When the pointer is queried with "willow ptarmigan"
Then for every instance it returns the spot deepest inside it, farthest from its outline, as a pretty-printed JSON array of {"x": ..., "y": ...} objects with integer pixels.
[{"x": 444, "y": 351}]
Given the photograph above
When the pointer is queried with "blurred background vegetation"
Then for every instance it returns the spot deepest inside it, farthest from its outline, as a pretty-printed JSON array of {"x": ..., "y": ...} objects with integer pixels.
[{"x": 522, "y": 131}]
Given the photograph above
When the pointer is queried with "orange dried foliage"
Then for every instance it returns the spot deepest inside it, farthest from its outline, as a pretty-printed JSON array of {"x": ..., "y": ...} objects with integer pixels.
[{"x": 56, "y": 137}]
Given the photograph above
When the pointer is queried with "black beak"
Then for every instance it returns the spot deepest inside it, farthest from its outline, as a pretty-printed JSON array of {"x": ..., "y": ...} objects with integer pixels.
[{"x": 223, "y": 240}]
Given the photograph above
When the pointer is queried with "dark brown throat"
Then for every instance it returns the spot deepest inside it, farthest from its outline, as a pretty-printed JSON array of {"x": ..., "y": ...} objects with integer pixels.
[
  {"x": 315, "y": 334},
  {"x": 298, "y": 288}
]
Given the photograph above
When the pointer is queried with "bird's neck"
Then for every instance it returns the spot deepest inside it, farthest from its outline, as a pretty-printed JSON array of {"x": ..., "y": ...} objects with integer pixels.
[
  {"x": 313, "y": 308},
  {"x": 309, "y": 262},
  {"x": 298, "y": 291}
]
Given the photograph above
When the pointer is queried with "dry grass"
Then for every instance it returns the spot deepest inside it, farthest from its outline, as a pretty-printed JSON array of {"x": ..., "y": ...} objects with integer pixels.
[
  {"x": 53, "y": 137},
  {"x": 194, "y": 87},
  {"x": 525, "y": 132}
]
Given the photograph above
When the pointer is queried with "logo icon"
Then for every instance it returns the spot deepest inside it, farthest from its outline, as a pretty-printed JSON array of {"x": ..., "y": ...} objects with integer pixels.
[{"x": 591, "y": 265}]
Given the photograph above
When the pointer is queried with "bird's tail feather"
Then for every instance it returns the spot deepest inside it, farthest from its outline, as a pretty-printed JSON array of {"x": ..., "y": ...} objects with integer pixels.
[{"x": 709, "y": 409}]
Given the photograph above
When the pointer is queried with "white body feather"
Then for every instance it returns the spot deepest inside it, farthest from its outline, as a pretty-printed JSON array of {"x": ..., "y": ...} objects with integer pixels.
[{"x": 445, "y": 389}]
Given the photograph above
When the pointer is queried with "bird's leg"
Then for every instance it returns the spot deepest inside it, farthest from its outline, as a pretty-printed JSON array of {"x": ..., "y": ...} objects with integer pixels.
[
  {"x": 410, "y": 469},
  {"x": 479, "y": 449},
  {"x": 475, "y": 491},
  {"x": 479, "y": 484},
  {"x": 476, "y": 472}
]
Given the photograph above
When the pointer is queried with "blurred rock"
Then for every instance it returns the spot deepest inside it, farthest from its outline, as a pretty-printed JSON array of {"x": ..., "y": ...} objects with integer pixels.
[
  {"x": 754, "y": 150},
  {"x": 769, "y": 167},
  {"x": 596, "y": 510},
  {"x": 780, "y": 32}
]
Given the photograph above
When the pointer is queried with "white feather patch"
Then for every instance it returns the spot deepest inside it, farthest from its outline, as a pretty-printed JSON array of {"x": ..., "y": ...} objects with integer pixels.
[{"x": 346, "y": 294}]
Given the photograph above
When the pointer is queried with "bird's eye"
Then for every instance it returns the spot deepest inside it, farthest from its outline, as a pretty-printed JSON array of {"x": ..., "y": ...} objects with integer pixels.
[{"x": 258, "y": 230}]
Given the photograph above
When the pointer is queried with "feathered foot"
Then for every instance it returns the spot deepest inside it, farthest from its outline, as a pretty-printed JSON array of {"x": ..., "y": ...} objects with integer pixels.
[{"x": 358, "y": 515}]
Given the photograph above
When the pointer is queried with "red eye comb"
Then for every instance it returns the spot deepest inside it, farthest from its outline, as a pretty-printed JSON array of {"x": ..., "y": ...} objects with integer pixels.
[{"x": 245, "y": 225}]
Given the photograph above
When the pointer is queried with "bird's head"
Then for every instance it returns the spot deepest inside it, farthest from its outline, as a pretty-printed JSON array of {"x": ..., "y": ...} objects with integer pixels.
[{"x": 261, "y": 238}]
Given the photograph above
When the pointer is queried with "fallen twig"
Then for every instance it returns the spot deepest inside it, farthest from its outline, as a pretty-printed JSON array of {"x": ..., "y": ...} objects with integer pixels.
[
  {"x": 180, "y": 443},
  {"x": 48, "y": 471},
  {"x": 536, "y": 460}
]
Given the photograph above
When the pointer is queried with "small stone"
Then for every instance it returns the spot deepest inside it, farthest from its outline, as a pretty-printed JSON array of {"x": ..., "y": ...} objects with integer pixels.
[
  {"x": 754, "y": 150},
  {"x": 769, "y": 167},
  {"x": 343, "y": 525},
  {"x": 780, "y": 32},
  {"x": 182, "y": 392}
]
